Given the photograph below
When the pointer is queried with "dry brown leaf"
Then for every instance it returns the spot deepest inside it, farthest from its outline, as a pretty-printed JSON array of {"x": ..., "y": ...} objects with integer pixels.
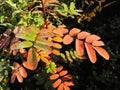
[
  {"x": 102, "y": 52},
  {"x": 67, "y": 39},
  {"x": 91, "y": 52},
  {"x": 92, "y": 38},
  {"x": 57, "y": 83},
  {"x": 83, "y": 35},
  {"x": 54, "y": 76},
  {"x": 74, "y": 32}
]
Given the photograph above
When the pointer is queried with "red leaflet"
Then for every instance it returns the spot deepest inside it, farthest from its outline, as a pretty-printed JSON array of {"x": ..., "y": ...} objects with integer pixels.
[
  {"x": 102, "y": 52},
  {"x": 91, "y": 52},
  {"x": 79, "y": 47}
]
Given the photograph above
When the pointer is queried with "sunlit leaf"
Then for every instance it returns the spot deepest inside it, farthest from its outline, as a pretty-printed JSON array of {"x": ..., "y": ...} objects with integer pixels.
[
  {"x": 57, "y": 39},
  {"x": 23, "y": 72},
  {"x": 92, "y": 38},
  {"x": 61, "y": 87},
  {"x": 91, "y": 52},
  {"x": 18, "y": 45},
  {"x": 56, "y": 52},
  {"x": 74, "y": 31},
  {"x": 98, "y": 43},
  {"x": 19, "y": 77},
  {"x": 102, "y": 52},
  {"x": 54, "y": 76},
  {"x": 69, "y": 83},
  {"x": 43, "y": 42},
  {"x": 57, "y": 45},
  {"x": 58, "y": 69},
  {"x": 79, "y": 45},
  {"x": 42, "y": 47},
  {"x": 32, "y": 57},
  {"x": 66, "y": 87},
  {"x": 64, "y": 72},
  {"x": 67, "y": 39},
  {"x": 26, "y": 65},
  {"x": 83, "y": 35},
  {"x": 57, "y": 83}
]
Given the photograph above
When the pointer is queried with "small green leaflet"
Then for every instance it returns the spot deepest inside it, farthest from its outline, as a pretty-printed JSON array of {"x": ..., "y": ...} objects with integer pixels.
[{"x": 24, "y": 44}]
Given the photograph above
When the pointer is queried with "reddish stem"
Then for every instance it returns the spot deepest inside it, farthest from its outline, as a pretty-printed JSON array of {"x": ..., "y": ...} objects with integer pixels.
[{"x": 44, "y": 15}]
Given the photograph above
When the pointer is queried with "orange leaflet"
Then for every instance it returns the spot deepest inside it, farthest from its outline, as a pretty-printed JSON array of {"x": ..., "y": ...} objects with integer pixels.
[
  {"x": 54, "y": 76},
  {"x": 57, "y": 45},
  {"x": 92, "y": 38},
  {"x": 23, "y": 72},
  {"x": 74, "y": 32},
  {"x": 58, "y": 69},
  {"x": 67, "y": 39},
  {"x": 91, "y": 52},
  {"x": 83, "y": 35},
  {"x": 57, "y": 83},
  {"x": 98, "y": 43},
  {"x": 19, "y": 77},
  {"x": 57, "y": 39},
  {"x": 60, "y": 31},
  {"x": 79, "y": 45},
  {"x": 16, "y": 65},
  {"x": 61, "y": 87},
  {"x": 66, "y": 88},
  {"x": 64, "y": 72},
  {"x": 26, "y": 65},
  {"x": 56, "y": 52},
  {"x": 102, "y": 52},
  {"x": 68, "y": 83}
]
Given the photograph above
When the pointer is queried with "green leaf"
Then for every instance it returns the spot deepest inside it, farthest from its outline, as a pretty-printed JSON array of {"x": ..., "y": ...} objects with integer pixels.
[
  {"x": 24, "y": 44},
  {"x": 72, "y": 6},
  {"x": 44, "y": 42},
  {"x": 28, "y": 33},
  {"x": 42, "y": 47},
  {"x": 12, "y": 4}
]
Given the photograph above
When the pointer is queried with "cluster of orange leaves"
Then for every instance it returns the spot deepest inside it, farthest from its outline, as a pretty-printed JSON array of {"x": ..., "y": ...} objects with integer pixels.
[
  {"x": 63, "y": 79},
  {"x": 85, "y": 40},
  {"x": 52, "y": 38}
]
